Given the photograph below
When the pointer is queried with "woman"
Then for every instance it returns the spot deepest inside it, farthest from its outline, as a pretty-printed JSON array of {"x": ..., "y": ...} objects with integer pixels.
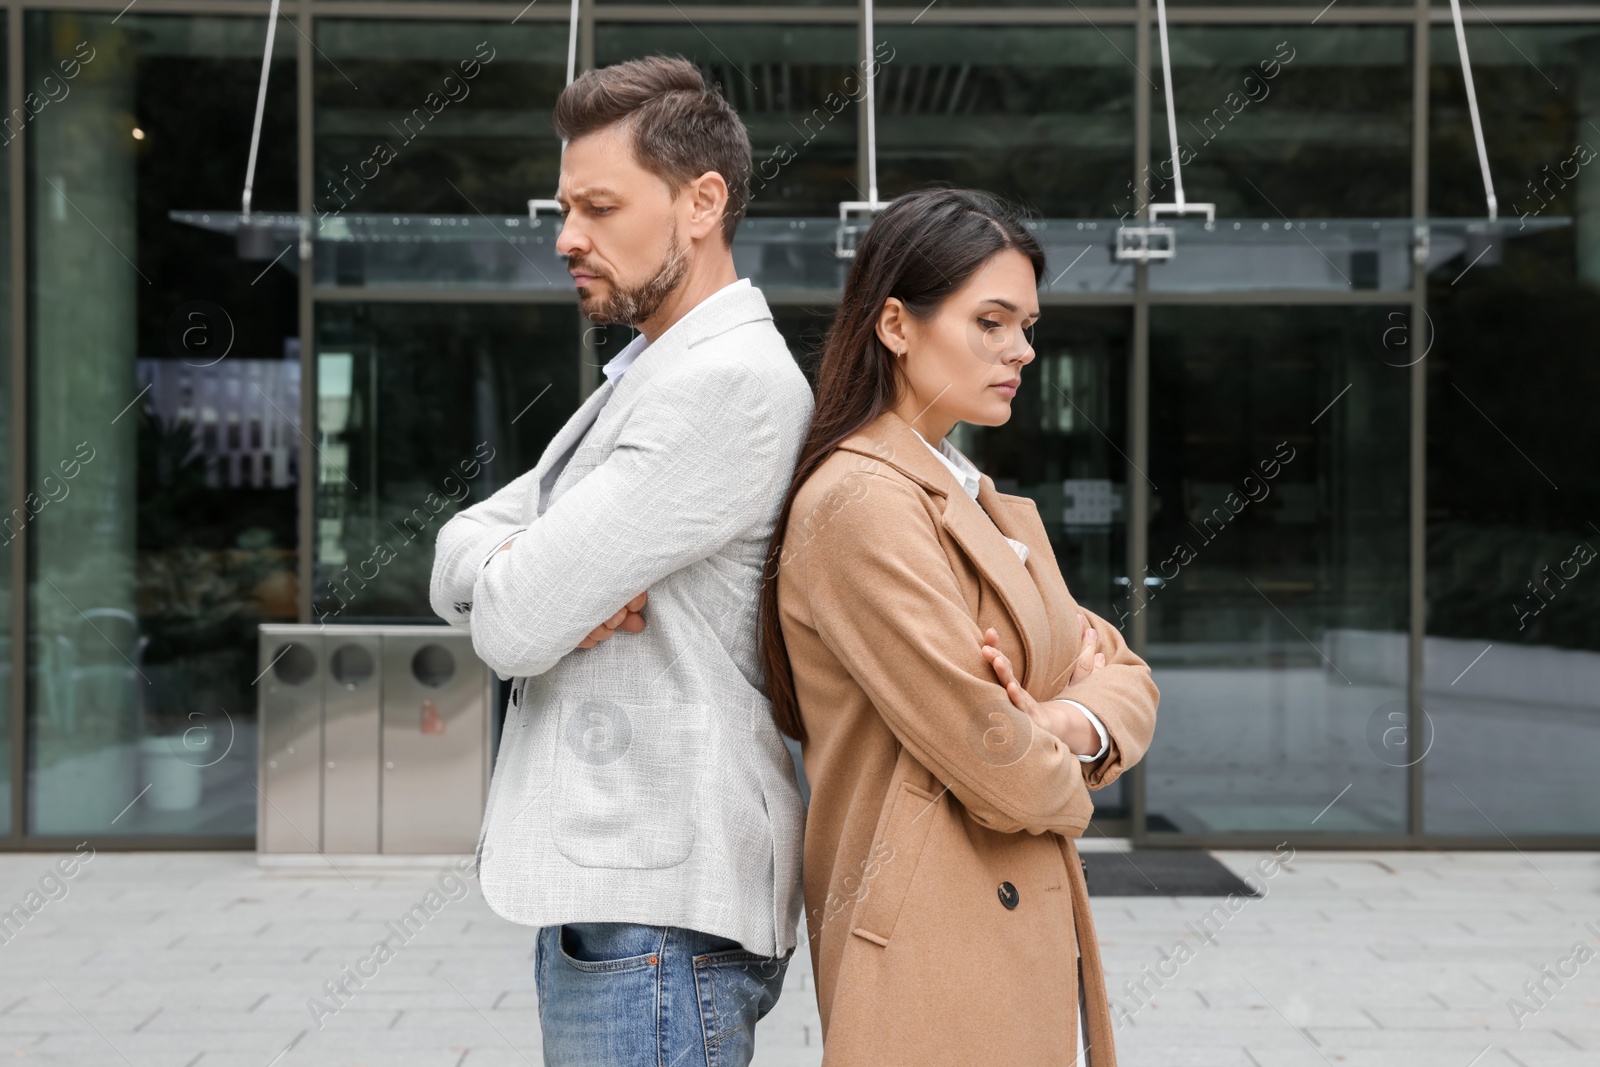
[{"x": 920, "y": 642}]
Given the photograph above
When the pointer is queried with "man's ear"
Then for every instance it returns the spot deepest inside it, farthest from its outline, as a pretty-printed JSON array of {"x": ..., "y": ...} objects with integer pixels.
[{"x": 708, "y": 202}]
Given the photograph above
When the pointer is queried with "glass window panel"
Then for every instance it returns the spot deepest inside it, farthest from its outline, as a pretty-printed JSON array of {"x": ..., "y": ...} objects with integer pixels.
[
  {"x": 1284, "y": 122},
  {"x": 422, "y": 410},
  {"x": 449, "y": 117},
  {"x": 1276, "y": 589},
  {"x": 1513, "y": 647},
  {"x": 1539, "y": 100},
  {"x": 1038, "y": 114},
  {"x": 155, "y": 558},
  {"x": 796, "y": 88},
  {"x": 1064, "y": 448},
  {"x": 805, "y": 330}
]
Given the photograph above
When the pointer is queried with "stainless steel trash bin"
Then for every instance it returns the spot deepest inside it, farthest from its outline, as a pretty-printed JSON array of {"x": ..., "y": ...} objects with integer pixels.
[
  {"x": 351, "y": 754},
  {"x": 435, "y": 741},
  {"x": 375, "y": 739},
  {"x": 289, "y": 809}
]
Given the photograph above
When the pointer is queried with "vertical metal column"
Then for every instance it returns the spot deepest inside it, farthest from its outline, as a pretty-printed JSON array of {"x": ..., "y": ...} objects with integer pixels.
[
  {"x": 866, "y": 169},
  {"x": 589, "y": 350},
  {"x": 1138, "y": 513},
  {"x": 17, "y": 174},
  {"x": 308, "y": 313},
  {"x": 585, "y": 35},
  {"x": 1418, "y": 511},
  {"x": 588, "y": 355}
]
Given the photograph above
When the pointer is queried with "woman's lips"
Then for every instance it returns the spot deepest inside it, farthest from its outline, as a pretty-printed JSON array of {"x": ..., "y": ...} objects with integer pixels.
[{"x": 1006, "y": 387}]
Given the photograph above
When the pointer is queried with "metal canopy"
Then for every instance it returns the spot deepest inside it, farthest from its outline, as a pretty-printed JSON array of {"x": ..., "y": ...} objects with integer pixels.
[{"x": 516, "y": 252}]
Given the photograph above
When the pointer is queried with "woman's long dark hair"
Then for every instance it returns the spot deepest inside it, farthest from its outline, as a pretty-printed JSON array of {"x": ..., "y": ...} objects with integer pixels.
[{"x": 920, "y": 249}]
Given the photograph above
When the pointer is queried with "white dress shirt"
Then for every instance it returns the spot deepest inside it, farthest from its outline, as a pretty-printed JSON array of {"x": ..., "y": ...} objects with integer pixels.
[{"x": 967, "y": 476}]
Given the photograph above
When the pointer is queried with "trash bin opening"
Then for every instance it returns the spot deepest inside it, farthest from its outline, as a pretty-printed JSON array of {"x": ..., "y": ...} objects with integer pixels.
[
  {"x": 433, "y": 665},
  {"x": 294, "y": 664},
  {"x": 351, "y": 665}
]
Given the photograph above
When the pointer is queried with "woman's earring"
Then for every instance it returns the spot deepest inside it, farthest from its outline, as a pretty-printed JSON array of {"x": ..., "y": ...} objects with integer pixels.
[{"x": 900, "y": 354}]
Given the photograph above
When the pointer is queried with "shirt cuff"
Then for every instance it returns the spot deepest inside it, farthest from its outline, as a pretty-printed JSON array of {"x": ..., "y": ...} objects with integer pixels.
[
  {"x": 503, "y": 540},
  {"x": 1099, "y": 728}
]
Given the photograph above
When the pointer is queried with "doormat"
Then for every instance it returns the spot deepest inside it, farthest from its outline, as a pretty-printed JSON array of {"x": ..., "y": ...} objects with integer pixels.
[{"x": 1165, "y": 872}]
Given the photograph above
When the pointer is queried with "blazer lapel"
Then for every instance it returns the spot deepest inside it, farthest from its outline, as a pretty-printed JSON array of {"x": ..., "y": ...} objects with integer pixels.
[
  {"x": 570, "y": 432},
  {"x": 704, "y": 321},
  {"x": 891, "y": 440}
]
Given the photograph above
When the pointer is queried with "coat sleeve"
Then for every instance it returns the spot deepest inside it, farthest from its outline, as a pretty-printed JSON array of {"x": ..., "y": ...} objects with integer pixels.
[
  {"x": 464, "y": 542},
  {"x": 699, "y": 461},
  {"x": 1123, "y": 697},
  {"x": 882, "y": 596}
]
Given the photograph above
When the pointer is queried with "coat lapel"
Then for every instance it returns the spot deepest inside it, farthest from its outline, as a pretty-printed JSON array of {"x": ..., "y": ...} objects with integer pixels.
[{"x": 982, "y": 537}]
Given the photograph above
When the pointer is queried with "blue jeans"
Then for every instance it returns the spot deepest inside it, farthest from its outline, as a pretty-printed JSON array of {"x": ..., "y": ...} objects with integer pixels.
[{"x": 628, "y": 995}]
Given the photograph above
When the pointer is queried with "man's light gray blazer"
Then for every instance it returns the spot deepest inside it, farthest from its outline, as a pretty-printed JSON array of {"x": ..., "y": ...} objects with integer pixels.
[{"x": 643, "y": 780}]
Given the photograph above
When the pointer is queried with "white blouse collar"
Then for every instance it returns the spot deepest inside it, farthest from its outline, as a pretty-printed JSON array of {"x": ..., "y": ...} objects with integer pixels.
[{"x": 966, "y": 474}]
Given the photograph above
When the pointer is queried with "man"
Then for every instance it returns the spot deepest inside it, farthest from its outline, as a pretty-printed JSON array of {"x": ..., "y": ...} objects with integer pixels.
[{"x": 644, "y": 811}]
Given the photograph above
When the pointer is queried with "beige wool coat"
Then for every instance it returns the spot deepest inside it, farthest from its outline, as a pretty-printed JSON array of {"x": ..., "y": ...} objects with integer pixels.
[{"x": 945, "y": 901}]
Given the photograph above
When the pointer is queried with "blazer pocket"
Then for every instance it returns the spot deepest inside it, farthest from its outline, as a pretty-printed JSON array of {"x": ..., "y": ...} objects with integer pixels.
[
  {"x": 627, "y": 782},
  {"x": 886, "y": 876}
]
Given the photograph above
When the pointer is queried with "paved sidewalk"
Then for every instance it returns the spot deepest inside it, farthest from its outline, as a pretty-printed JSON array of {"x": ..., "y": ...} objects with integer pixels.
[{"x": 1351, "y": 958}]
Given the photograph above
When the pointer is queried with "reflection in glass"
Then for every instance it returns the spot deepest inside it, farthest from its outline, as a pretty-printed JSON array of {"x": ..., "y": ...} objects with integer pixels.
[
  {"x": 1513, "y": 552},
  {"x": 1284, "y": 122},
  {"x": 160, "y": 361},
  {"x": 1276, "y": 592},
  {"x": 1063, "y": 448},
  {"x": 1038, "y": 114},
  {"x": 423, "y": 410},
  {"x": 797, "y": 89},
  {"x": 805, "y": 331},
  {"x": 436, "y": 116}
]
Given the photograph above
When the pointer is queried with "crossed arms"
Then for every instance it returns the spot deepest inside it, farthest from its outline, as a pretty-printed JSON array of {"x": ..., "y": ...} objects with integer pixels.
[{"x": 695, "y": 465}]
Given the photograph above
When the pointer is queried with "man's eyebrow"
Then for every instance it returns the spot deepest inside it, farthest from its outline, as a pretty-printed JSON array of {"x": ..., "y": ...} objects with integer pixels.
[{"x": 588, "y": 192}]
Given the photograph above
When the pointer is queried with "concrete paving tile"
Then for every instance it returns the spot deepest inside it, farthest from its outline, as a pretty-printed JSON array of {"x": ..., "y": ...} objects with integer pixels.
[
  {"x": 1135, "y": 1051},
  {"x": 1385, "y": 957}
]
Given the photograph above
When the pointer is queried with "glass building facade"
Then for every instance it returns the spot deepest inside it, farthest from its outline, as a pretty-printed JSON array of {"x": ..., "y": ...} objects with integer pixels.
[{"x": 1360, "y": 558}]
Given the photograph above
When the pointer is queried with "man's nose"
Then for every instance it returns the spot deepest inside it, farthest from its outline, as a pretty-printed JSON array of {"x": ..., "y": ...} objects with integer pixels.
[{"x": 572, "y": 240}]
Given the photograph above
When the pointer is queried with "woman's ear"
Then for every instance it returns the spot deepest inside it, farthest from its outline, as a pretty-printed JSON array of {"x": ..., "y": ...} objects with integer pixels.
[{"x": 892, "y": 324}]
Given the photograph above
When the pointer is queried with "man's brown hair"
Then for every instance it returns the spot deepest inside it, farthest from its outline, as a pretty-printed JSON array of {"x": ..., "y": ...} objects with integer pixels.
[{"x": 680, "y": 126}]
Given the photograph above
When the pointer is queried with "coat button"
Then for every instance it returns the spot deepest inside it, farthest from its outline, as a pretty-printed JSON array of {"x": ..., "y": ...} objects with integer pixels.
[{"x": 1008, "y": 895}]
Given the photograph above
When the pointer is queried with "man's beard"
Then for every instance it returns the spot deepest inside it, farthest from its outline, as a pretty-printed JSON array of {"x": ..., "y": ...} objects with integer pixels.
[{"x": 631, "y": 306}]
